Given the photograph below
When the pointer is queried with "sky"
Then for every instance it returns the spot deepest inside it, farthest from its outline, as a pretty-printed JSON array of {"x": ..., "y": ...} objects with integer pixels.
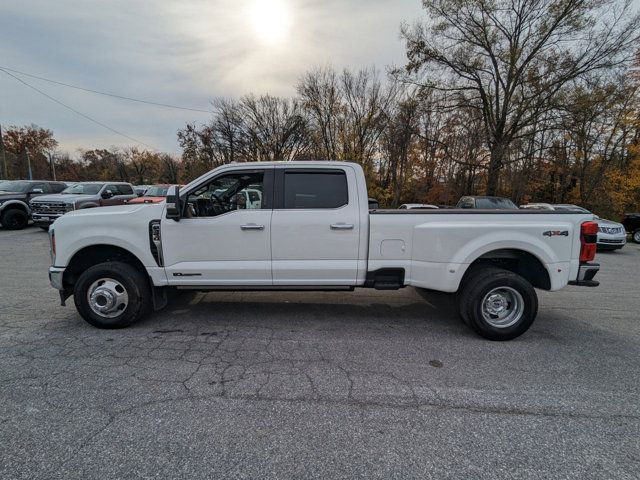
[{"x": 183, "y": 53}]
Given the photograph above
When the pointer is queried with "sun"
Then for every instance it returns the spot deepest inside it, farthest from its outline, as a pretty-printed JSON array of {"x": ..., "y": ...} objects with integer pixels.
[{"x": 270, "y": 20}]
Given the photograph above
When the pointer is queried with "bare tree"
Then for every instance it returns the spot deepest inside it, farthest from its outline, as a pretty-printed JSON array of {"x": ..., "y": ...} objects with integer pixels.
[
  {"x": 510, "y": 58},
  {"x": 321, "y": 98},
  {"x": 274, "y": 128},
  {"x": 367, "y": 110}
]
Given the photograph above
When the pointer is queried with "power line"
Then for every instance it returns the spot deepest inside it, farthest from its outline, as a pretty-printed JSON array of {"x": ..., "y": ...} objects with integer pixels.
[
  {"x": 107, "y": 94},
  {"x": 104, "y": 125}
]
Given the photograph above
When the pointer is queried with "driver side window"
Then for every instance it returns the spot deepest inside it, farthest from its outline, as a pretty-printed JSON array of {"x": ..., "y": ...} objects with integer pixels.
[{"x": 241, "y": 190}]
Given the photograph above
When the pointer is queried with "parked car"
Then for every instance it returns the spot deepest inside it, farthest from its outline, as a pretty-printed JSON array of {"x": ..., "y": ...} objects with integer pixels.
[
  {"x": 569, "y": 207},
  {"x": 631, "y": 223},
  {"x": 315, "y": 232},
  {"x": 416, "y": 206},
  {"x": 537, "y": 206},
  {"x": 611, "y": 235},
  {"x": 153, "y": 194},
  {"x": 140, "y": 190},
  {"x": 15, "y": 196},
  {"x": 486, "y": 203},
  {"x": 48, "y": 208},
  {"x": 563, "y": 207}
]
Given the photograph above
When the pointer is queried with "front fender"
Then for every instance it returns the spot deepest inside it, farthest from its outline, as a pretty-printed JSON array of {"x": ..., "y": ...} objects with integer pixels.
[{"x": 18, "y": 203}]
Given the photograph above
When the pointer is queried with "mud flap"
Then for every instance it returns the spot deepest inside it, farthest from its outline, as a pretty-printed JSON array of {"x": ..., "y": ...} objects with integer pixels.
[
  {"x": 64, "y": 294},
  {"x": 159, "y": 297}
]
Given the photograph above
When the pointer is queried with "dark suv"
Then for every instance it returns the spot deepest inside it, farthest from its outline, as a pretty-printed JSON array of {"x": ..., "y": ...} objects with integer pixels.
[
  {"x": 45, "y": 210},
  {"x": 15, "y": 196},
  {"x": 631, "y": 222}
]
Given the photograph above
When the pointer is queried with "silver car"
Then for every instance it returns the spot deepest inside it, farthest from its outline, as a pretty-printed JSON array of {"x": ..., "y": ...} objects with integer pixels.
[
  {"x": 611, "y": 235},
  {"x": 417, "y": 206}
]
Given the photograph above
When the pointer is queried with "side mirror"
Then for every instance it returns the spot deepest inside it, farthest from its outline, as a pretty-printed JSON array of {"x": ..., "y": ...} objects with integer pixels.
[
  {"x": 173, "y": 203},
  {"x": 37, "y": 190},
  {"x": 107, "y": 194}
]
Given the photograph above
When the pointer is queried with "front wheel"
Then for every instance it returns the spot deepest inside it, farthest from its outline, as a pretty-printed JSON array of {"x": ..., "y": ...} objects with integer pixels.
[
  {"x": 636, "y": 236},
  {"x": 111, "y": 295},
  {"x": 14, "y": 219},
  {"x": 498, "y": 304}
]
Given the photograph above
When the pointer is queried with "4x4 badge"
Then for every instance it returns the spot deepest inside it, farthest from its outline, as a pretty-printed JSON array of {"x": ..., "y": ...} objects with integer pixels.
[{"x": 556, "y": 233}]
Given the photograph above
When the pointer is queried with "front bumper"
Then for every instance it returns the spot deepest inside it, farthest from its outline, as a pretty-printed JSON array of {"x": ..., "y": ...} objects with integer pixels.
[
  {"x": 55, "y": 277},
  {"x": 42, "y": 220},
  {"x": 611, "y": 240},
  {"x": 586, "y": 272}
]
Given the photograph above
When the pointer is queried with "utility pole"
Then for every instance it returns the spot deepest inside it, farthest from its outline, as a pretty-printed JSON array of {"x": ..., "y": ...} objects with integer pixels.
[
  {"x": 3, "y": 156},
  {"x": 26, "y": 152},
  {"x": 52, "y": 165}
]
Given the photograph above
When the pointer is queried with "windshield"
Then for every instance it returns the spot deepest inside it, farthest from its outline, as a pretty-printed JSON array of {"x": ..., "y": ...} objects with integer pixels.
[
  {"x": 495, "y": 203},
  {"x": 157, "y": 191},
  {"x": 14, "y": 186},
  {"x": 83, "y": 189},
  {"x": 571, "y": 208}
]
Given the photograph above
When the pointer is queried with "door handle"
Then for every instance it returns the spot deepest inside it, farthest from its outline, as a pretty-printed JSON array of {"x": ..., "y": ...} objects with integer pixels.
[
  {"x": 252, "y": 226},
  {"x": 342, "y": 226}
]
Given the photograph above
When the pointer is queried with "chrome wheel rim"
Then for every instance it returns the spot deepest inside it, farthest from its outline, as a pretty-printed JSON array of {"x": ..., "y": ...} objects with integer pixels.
[
  {"x": 502, "y": 307},
  {"x": 107, "y": 297}
]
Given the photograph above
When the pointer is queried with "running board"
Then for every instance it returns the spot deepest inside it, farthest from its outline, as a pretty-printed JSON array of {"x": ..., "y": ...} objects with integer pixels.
[{"x": 267, "y": 288}]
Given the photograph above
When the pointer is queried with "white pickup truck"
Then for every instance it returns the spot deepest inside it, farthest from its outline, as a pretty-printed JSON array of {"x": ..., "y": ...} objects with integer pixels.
[{"x": 313, "y": 230}]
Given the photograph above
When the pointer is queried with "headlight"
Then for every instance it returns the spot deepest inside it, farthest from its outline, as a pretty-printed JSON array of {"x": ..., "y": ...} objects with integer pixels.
[{"x": 601, "y": 229}]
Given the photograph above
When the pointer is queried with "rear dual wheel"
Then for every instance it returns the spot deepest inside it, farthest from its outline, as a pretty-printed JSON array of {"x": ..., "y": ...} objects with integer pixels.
[{"x": 498, "y": 304}]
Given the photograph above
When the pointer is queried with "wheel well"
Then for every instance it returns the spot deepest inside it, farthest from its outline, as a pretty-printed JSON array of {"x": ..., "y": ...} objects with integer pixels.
[
  {"x": 95, "y": 254},
  {"x": 15, "y": 206},
  {"x": 523, "y": 263}
]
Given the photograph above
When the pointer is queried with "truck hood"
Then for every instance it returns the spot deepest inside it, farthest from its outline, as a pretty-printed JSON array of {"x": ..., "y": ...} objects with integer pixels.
[
  {"x": 57, "y": 197},
  {"x": 607, "y": 223},
  {"x": 12, "y": 196},
  {"x": 113, "y": 213}
]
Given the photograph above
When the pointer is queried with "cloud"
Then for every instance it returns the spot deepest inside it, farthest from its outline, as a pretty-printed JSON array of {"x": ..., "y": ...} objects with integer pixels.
[{"x": 183, "y": 53}]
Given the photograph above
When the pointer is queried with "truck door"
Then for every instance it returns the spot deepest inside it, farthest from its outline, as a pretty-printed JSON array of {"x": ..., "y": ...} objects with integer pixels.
[
  {"x": 222, "y": 239},
  {"x": 315, "y": 228},
  {"x": 110, "y": 195}
]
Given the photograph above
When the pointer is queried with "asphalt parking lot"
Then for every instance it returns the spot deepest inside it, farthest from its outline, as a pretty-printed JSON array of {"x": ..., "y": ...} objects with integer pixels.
[{"x": 304, "y": 385}]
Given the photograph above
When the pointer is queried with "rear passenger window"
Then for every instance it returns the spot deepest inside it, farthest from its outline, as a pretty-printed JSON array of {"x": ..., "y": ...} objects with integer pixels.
[
  {"x": 315, "y": 189},
  {"x": 125, "y": 189}
]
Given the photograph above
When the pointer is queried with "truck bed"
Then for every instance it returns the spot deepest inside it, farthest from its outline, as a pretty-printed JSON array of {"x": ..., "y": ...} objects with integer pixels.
[{"x": 435, "y": 247}]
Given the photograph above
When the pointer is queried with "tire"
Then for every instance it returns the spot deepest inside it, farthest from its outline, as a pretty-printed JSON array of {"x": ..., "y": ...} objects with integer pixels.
[
  {"x": 108, "y": 280},
  {"x": 635, "y": 236},
  {"x": 14, "y": 219},
  {"x": 514, "y": 307}
]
